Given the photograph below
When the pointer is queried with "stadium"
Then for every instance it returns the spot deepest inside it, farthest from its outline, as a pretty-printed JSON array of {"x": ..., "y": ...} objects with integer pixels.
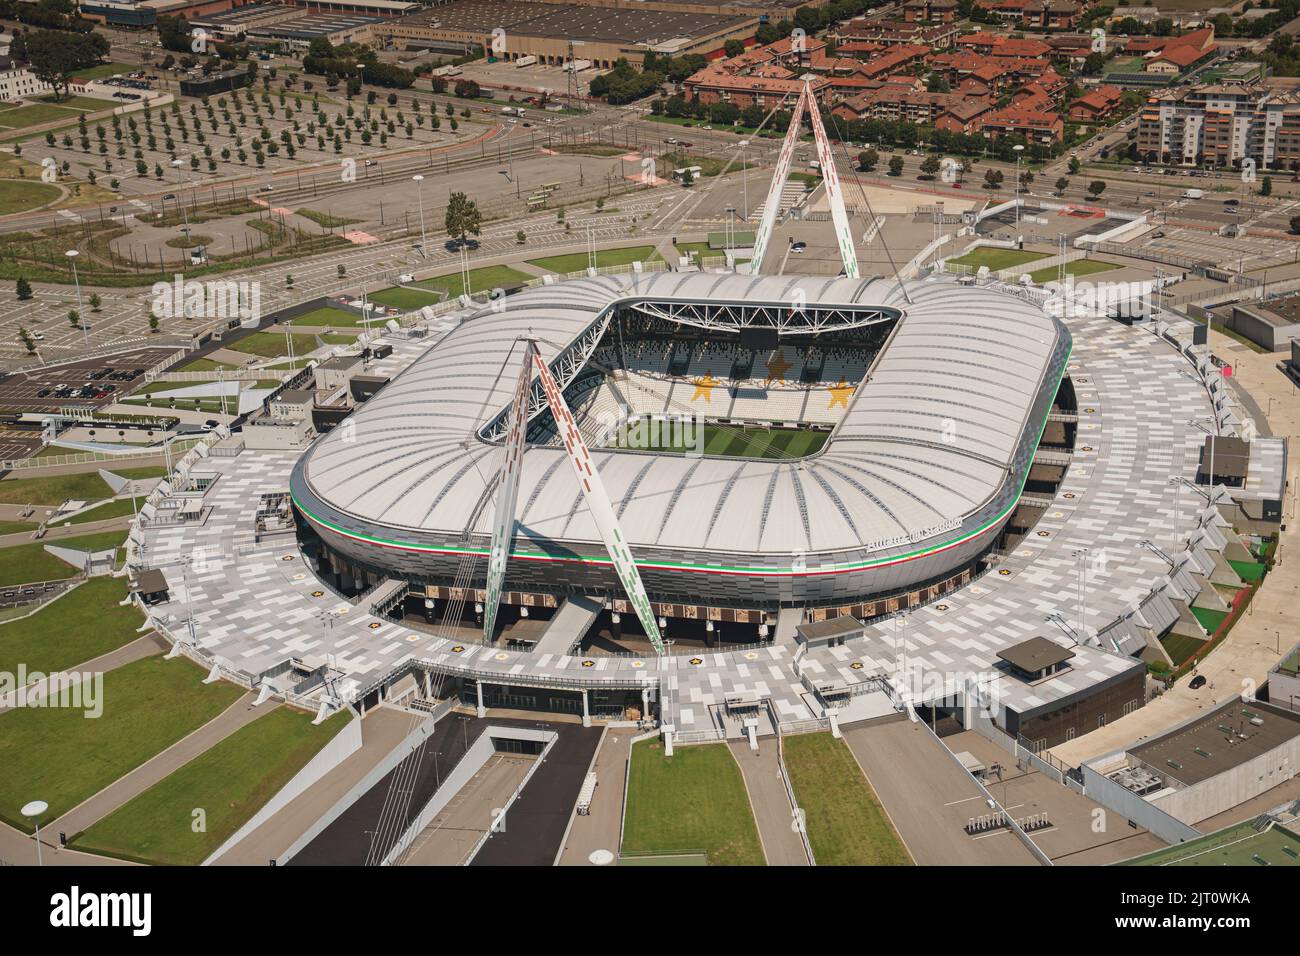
[{"x": 838, "y": 445}]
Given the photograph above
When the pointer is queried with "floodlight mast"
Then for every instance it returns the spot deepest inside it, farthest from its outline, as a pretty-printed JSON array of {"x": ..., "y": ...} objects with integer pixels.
[
  {"x": 602, "y": 512},
  {"x": 503, "y": 527}
]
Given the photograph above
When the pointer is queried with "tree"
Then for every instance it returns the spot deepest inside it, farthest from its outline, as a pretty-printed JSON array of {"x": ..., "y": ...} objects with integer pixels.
[
  {"x": 895, "y": 165},
  {"x": 520, "y": 237},
  {"x": 154, "y": 322},
  {"x": 95, "y": 302},
  {"x": 1061, "y": 184},
  {"x": 343, "y": 270},
  {"x": 929, "y": 166},
  {"x": 1075, "y": 165},
  {"x": 74, "y": 319},
  {"x": 29, "y": 343},
  {"x": 1266, "y": 186},
  {"x": 1295, "y": 224},
  {"x": 992, "y": 178},
  {"x": 463, "y": 218},
  {"x": 1096, "y": 188},
  {"x": 867, "y": 160},
  {"x": 23, "y": 288},
  {"x": 467, "y": 90},
  {"x": 55, "y": 55},
  {"x": 733, "y": 47}
]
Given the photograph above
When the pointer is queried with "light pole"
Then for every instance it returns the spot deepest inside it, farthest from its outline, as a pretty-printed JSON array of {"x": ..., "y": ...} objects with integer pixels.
[
  {"x": 419, "y": 198},
  {"x": 185, "y": 215},
  {"x": 1018, "y": 149},
  {"x": 81, "y": 319},
  {"x": 33, "y": 812}
]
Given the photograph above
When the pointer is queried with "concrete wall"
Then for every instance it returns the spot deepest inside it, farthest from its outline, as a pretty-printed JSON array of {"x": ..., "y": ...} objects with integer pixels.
[
  {"x": 1132, "y": 807},
  {"x": 1234, "y": 787}
]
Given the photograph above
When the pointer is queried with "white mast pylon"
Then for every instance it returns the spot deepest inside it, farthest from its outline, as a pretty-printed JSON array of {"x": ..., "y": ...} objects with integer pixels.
[
  {"x": 773, "y": 202},
  {"x": 839, "y": 215},
  {"x": 831, "y": 176},
  {"x": 503, "y": 526},
  {"x": 593, "y": 491}
]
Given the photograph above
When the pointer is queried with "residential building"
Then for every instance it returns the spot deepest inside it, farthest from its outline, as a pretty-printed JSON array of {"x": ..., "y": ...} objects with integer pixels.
[
  {"x": 1222, "y": 125},
  {"x": 1096, "y": 104}
]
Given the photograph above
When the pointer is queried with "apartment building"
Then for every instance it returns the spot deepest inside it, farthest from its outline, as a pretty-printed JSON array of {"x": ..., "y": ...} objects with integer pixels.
[{"x": 1221, "y": 125}]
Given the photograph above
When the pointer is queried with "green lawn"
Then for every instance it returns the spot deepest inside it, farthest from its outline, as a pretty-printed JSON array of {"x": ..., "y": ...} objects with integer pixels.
[
  {"x": 575, "y": 261},
  {"x": 102, "y": 70},
  {"x": 55, "y": 489},
  {"x": 326, "y": 220},
  {"x": 229, "y": 782},
  {"x": 845, "y": 822},
  {"x": 482, "y": 279},
  {"x": 1249, "y": 571},
  {"x": 272, "y": 344},
  {"x": 1210, "y": 619},
  {"x": 109, "y": 509},
  {"x": 1237, "y": 845},
  {"x": 409, "y": 299},
  {"x": 1080, "y": 267},
  {"x": 35, "y": 115},
  {"x": 26, "y": 563},
  {"x": 694, "y": 800},
  {"x": 202, "y": 365},
  {"x": 997, "y": 259},
  {"x": 57, "y": 755},
  {"x": 324, "y": 317},
  {"x": 18, "y": 195},
  {"x": 1180, "y": 647},
  {"x": 76, "y": 628},
  {"x": 729, "y": 442},
  {"x": 15, "y": 527}
]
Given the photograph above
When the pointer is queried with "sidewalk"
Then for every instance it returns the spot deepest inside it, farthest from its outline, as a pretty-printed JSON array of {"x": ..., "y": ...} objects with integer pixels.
[{"x": 772, "y": 811}]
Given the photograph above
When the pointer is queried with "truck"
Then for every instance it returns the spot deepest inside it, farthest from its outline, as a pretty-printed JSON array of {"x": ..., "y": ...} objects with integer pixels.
[
  {"x": 512, "y": 111},
  {"x": 525, "y": 61},
  {"x": 1194, "y": 194}
]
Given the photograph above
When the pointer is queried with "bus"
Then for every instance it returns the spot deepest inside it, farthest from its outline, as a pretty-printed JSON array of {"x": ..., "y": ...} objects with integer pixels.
[
  {"x": 536, "y": 201},
  {"x": 549, "y": 188}
]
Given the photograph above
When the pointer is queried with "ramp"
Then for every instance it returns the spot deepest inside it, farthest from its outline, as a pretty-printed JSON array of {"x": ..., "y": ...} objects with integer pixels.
[
  {"x": 570, "y": 622},
  {"x": 787, "y": 619}
]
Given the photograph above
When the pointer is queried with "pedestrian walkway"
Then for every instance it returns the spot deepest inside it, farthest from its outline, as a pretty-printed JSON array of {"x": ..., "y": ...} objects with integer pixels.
[{"x": 761, "y": 769}]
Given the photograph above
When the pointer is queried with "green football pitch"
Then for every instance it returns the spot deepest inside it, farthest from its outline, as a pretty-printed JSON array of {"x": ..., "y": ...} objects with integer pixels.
[
  {"x": 728, "y": 441},
  {"x": 1237, "y": 845}
]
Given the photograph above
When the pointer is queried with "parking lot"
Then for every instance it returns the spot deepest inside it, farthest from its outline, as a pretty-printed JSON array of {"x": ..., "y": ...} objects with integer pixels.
[{"x": 90, "y": 383}]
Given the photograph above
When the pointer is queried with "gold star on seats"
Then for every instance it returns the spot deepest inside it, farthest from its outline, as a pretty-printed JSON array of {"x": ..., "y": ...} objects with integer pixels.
[
  {"x": 704, "y": 388},
  {"x": 840, "y": 395},
  {"x": 777, "y": 366}
]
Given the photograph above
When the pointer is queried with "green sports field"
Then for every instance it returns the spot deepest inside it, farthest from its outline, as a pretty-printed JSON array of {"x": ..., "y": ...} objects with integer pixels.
[
  {"x": 725, "y": 441},
  {"x": 1237, "y": 845}
]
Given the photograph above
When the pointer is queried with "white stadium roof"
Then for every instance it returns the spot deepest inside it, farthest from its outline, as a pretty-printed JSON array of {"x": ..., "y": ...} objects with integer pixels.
[{"x": 927, "y": 440}]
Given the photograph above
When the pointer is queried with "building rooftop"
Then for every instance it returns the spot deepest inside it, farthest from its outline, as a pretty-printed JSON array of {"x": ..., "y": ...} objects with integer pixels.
[
  {"x": 564, "y": 21},
  {"x": 1035, "y": 655},
  {"x": 1216, "y": 742}
]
